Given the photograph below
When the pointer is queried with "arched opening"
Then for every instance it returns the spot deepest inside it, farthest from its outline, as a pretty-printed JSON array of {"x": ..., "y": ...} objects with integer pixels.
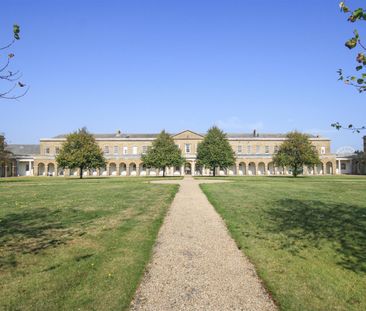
[
  {"x": 242, "y": 169},
  {"x": 261, "y": 168},
  {"x": 198, "y": 170},
  {"x": 112, "y": 169},
  {"x": 74, "y": 172},
  {"x": 329, "y": 168},
  {"x": 122, "y": 169},
  {"x": 41, "y": 169},
  {"x": 188, "y": 169},
  {"x": 152, "y": 171},
  {"x": 93, "y": 172},
  {"x": 103, "y": 171},
  {"x": 60, "y": 171},
  {"x": 271, "y": 168},
  {"x": 51, "y": 169},
  {"x": 231, "y": 170},
  {"x": 309, "y": 169},
  {"x": 132, "y": 168},
  {"x": 143, "y": 169},
  {"x": 251, "y": 169},
  {"x": 176, "y": 171},
  {"x": 319, "y": 168},
  {"x": 280, "y": 170}
]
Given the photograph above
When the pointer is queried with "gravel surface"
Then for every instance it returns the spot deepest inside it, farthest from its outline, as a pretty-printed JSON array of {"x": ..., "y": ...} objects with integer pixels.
[{"x": 196, "y": 265}]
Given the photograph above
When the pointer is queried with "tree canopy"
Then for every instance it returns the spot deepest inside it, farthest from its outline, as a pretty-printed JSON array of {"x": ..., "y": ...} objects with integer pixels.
[
  {"x": 81, "y": 151},
  {"x": 4, "y": 154},
  {"x": 295, "y": 152},
  {"x": 163, "y": 153},
  {"x": 357, "y": 80},
  {"x": 215, "y": 150},
  {"x": 11, "y": 79}
]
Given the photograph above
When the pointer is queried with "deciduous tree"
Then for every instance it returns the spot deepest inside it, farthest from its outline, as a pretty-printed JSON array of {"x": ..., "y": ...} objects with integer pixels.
[
  {"x": 11, "y": 79},
  {"x": 163, "y": 153},
  {"x": 295, "y": 152},
  {"x": 81, "y": 151},
  {"x": 4, "y": 154},
  {"x": 215, "y": 150}
]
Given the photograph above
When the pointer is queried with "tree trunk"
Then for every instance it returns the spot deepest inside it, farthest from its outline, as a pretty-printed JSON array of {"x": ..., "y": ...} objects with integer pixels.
[
  {"x": 81, "y": 173},
  {"x": 164, "y": 171},
  {"x": 294, "y": 172},
  {"x": 214, "y": 171}
]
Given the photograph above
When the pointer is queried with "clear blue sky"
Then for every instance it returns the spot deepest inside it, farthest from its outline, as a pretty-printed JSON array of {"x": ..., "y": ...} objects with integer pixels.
[{"x": 141, "y": 66}]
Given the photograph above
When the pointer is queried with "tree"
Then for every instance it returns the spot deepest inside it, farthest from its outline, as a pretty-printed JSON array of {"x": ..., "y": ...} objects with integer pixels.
[
  {"x": 356, "y": 80},
  {"x": 296, "y": 152},
  {"x": 215, "y": 150},
  {"x": 4, "y": 154},
  {"x": 163, "y": 153},
  {"x": 80, "y": 151},
  {"x": 11, "y": 78}
]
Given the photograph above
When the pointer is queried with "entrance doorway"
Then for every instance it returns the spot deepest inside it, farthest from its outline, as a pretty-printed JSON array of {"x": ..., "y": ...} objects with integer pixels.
[{"x": 188, "y": 169}]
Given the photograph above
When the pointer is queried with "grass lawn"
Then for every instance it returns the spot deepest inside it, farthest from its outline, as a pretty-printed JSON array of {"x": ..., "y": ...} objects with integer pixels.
[
  {"x": 70, "y": 244},
  {"x": 306, "y": 236}
]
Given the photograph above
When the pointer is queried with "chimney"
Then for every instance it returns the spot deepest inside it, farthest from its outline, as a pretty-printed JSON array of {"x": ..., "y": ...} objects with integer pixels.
[
  {"x": 118, "y": 134},
  {"x": 254, "y": 133}
]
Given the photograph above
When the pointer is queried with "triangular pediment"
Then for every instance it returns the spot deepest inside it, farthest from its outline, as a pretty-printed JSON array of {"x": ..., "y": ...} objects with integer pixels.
[{"x": 187, "y": 135}]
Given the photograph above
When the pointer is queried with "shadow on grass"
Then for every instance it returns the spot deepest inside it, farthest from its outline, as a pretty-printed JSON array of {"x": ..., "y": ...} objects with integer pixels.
[
  {"x": 34, "y": 230},
  {"x": 310, "y": 222}
]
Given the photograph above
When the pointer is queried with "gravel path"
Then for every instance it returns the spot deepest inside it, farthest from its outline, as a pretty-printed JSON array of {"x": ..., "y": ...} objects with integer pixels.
[{"x": 196, "y": 265}]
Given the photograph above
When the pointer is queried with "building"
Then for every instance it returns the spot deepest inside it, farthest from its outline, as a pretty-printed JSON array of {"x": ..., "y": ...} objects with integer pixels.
[
  {"x": 123, "y": 153},
  {"x": 21, "y": 162}
]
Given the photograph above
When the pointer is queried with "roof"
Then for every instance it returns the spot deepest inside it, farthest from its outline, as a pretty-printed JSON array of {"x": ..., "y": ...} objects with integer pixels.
[
  {"x": 23, "y": 150},
  {"x": 154, "y": 135}
]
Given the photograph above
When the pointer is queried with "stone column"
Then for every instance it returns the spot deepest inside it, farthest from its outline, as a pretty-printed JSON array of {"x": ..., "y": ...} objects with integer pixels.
[
  {"x": 56, "y": 170},
  {"x": 339, "y": 167},
  {"x": 137, "y": 169},
  {"x": 193, "y": 168},
  {"x": 127, "y": 169},
  {"x": 182, "y": 170}
]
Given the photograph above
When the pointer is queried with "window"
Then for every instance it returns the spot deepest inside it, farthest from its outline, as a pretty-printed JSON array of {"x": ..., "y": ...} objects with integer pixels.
[
  {"x": 144, "y": 149},
  {"x": 257, "y": 149},
  {"x": 275, "y": 149},
  {"x": 322, "y": 150},
  {"x": 249, "y": 149},
  {"x": 343, "y": 166},
  {"x": 125, "y": 150},
  {"x": 188, "y": 148},
  {"x": 266, "y": 149},
  {"x": 134, "y": 150},
  {"x": 240, "y": 149},
  {"x": 47, "y": 150},
  {"x": 115, "y": 149},
  {"x": 106, "y": 150},
  {"x": 57, "y": 150}
]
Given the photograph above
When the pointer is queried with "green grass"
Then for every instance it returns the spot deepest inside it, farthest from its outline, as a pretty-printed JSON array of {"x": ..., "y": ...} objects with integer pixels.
[
  {"x": 70, "y": 244},
  {"x": 306, "y": 236}
]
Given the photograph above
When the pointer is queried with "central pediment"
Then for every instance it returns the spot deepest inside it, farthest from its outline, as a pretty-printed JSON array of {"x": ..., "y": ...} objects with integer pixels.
[{"x": 187, "y": 135}]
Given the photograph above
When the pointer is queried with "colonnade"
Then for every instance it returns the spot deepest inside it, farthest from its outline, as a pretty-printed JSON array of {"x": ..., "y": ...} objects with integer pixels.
[{"x": 189, "y": 168}]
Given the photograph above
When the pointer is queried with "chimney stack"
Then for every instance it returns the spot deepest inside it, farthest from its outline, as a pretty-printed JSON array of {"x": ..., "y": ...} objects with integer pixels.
[{"x": 254, "y": 133}]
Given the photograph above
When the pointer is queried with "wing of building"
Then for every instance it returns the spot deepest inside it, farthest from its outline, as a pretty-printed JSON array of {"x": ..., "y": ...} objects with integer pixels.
[{"x": 123, "y": 152}]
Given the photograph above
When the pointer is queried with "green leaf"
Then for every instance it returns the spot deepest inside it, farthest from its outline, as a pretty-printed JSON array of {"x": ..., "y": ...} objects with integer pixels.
[
  {"x": 351, "y": 43},
  {"x": 358, "y": 68},
  {"x": 360, "y": 81},
  {"x": 16, "y": 31}
]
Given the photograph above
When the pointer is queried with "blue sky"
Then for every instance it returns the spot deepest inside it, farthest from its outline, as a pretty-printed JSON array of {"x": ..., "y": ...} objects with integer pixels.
[{"x": 141, "y": 66}]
